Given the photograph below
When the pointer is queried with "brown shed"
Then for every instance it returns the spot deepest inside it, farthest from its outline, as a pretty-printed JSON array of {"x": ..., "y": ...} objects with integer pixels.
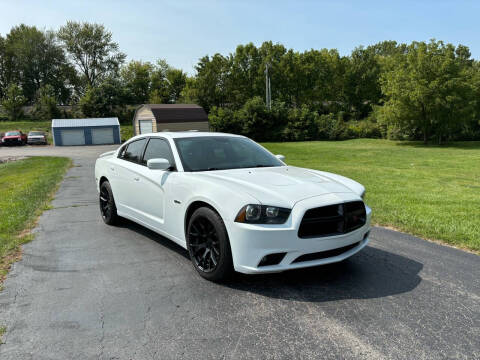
[{"x": 169, "y": 117}]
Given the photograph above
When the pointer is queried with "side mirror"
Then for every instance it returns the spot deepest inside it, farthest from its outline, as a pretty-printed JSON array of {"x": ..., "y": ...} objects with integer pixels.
[
  {"x": 280, "y": 157},
  {"x": 158, "y": 164}
]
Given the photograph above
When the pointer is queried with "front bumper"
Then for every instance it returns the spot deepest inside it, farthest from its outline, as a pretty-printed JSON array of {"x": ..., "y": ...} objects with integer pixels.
[
  {"x": 12, "y": 141},
  {"x": 251, "y": 242},
  {"x": 36, "y": 141}
]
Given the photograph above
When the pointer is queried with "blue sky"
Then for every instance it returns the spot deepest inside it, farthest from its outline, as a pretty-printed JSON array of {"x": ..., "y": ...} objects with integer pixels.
[{"x": 183, "y": 31}]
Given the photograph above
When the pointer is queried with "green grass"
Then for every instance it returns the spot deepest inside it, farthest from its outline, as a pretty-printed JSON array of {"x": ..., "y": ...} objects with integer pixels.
[
  {"x": 26, "y": 126},
  {"x": 429, "y": 191},
  {"x": 26, "y": 187}
]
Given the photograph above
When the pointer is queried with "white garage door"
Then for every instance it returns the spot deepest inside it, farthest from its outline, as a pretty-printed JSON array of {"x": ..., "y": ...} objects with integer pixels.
[
  {"x": 146, "y": 126},
  {"x": 73, "y": 137},
  {"x": 102, "y": 136}
]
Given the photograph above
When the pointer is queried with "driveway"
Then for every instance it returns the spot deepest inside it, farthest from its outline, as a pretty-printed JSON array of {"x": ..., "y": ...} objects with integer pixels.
[{"x": 84, "y": 290}]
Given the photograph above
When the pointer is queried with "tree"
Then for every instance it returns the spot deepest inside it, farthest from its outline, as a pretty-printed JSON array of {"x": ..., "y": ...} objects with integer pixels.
[
  {"x": 137, "y": 78},
  {"x": 13, "y": 102},
  {"x": 32, "y": 59},
  {"x": 103, "y": 100},
  {"x": 427, "y": 90},
  {"x": 45, "y": 107},
  {"x": 167, "y": 83},
  {"x": 91, "y": 48}
]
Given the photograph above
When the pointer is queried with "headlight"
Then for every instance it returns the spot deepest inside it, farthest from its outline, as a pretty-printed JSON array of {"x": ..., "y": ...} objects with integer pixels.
[{"x": 262, "y": 214}]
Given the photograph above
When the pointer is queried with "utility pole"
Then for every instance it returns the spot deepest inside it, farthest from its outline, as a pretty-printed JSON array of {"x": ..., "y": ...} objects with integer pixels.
[{"x": 268, "y": 89}]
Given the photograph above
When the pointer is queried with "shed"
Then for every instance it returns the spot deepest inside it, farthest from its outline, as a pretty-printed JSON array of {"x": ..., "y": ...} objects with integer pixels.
[
  {"x": 92, "y": 131},
  {"x": 169, "y": 117}
]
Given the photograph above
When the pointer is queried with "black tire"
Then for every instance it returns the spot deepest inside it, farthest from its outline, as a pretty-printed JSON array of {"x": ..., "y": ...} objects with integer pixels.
[
  {"x": 208, "y": 245},
  {"x": 108, "y": 210}
]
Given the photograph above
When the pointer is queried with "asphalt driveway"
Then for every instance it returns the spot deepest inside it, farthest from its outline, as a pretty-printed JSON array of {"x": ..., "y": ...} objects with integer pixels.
[{"x": 85, "y": 290}]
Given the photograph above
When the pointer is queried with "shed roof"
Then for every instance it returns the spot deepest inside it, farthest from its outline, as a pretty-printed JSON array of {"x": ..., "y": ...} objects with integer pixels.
[
  {"x": 90, "y": 122},
  {"x": 174, "y": 113}
]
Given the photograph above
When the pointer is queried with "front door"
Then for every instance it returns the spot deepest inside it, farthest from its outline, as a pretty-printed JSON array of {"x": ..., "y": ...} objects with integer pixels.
[
  {"x": 146, "y": 126},
  {"x": 154, "y": 183}
]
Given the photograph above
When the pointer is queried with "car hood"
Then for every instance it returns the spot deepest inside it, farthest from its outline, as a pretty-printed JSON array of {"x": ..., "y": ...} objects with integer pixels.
[
  {"x": 36, "y": 136},
  {"x": 12, "y": 137},
  {"x": 283, "y": 185}
]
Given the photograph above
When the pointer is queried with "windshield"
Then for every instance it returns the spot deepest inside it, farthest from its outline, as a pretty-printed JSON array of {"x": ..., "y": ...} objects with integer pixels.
[
  {"x": 33, "y": 133},
  {"x": 12, "y": 133},
  {"x": 208, "y": 153}
]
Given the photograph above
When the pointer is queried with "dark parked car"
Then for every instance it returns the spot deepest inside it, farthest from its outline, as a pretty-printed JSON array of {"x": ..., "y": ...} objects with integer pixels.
[
  {"x": 37, "y": 137},
  {"x": 14, "y": 138}
]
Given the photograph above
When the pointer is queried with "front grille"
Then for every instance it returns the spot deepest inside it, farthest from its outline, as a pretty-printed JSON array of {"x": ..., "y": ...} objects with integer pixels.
[
  {"x": 333, "y": 220},
  {"x": 325, "y": 254}
]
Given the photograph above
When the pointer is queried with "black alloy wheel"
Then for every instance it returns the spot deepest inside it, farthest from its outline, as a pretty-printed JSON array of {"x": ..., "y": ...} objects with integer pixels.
[
  {"x": 107, "y": 204},
  {"x": 208, "y": 245}
]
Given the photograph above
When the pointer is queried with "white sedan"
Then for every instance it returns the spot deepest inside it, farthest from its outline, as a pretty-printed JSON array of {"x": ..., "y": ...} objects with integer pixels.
[{"x": 231, "y": 203}]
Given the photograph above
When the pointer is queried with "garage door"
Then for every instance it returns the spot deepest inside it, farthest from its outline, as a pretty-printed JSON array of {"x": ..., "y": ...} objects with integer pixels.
[
  {"x": 146, "y": 126},
  {"x": 73, "y": 137},
  {"x": 102, "y": 136}
]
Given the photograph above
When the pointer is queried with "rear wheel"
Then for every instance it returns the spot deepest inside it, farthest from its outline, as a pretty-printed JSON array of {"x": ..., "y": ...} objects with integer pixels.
[
  {"x": 107, "y": 204},
  {"x": 208, "y": 245}
]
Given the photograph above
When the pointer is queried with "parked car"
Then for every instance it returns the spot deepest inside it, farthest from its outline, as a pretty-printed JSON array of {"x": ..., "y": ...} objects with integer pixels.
[
  {"x": 231, "y": 203},
  {"x": 37, "y": 137},
  {"x": 14, "y": 138}
]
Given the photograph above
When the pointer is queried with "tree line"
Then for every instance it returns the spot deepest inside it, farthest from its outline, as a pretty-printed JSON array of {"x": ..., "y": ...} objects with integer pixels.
[{"x": 423, "y": 90}]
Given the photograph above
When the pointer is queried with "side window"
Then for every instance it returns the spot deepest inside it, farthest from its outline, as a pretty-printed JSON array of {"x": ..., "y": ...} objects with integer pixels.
[
  {"x": 158, "y": 148},
  {"x": 133, "y": 152}
]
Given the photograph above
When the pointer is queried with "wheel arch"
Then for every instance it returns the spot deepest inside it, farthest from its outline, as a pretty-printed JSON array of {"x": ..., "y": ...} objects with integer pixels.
[{"x": 197, "y": 204}]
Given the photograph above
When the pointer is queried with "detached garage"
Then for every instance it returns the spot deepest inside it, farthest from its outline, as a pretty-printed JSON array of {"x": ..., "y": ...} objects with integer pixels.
[
  {"x": 169, "y": 117},
  {"x": 93, "y": 131}
]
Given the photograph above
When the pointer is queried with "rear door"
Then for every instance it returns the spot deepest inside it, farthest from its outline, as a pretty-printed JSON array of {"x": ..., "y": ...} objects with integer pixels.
[{"x": 102, "y": 136}]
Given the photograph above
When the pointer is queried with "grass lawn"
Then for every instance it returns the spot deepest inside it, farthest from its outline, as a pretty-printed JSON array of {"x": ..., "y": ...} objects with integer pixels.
[
  {"x": 26, "y": 187},
  {"x": 26, "y": 126},
  {"x": 429, "y": 191}
]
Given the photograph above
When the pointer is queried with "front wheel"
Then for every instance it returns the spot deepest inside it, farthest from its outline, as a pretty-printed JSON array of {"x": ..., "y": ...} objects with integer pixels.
[
  {"x": 108, "y": 209},
  {"x": 208, "y": 245}
]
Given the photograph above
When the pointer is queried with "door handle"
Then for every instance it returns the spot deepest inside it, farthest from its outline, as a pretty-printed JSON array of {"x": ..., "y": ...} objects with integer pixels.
[
  {"x": 136, "y": 179},
  {"x": 112, "y": 168}
]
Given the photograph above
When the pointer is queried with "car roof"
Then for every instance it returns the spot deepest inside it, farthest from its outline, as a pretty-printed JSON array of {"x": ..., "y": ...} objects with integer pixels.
[{"x": 186, "y": 134}]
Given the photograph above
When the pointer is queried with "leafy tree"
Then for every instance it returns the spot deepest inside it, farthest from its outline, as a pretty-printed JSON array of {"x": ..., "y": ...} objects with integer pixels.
[
  {"x": 32, "y": 59},
  {"x": 103, "y": 100},
  {"x": 91, "y": 48},
  {"x": 136, "y": 78},
  {"x": 13, "y": 102},
  {"x": 167, "y": 83},
  {"x": 427, "y": 90},
  {"x": 45, "y": 107}
]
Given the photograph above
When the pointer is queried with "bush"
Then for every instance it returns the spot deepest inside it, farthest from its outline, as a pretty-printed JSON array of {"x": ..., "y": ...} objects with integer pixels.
[
  {"x": 302, "y": 124},
  {"x": 13, "y": 102}
]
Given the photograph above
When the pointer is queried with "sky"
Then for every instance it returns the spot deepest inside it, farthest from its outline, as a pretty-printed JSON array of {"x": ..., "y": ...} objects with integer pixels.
[{"x": 183, "y": 31}]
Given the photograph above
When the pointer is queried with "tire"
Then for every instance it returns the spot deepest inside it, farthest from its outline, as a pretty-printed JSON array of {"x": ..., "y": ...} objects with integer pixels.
[
  {"x": 108, "y": 209},
  {"x": 208, "y": 245}
]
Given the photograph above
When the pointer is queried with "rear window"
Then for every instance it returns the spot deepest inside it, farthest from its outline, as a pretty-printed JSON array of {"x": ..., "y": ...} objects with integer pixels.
[{"x": 34, "y": 133}]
